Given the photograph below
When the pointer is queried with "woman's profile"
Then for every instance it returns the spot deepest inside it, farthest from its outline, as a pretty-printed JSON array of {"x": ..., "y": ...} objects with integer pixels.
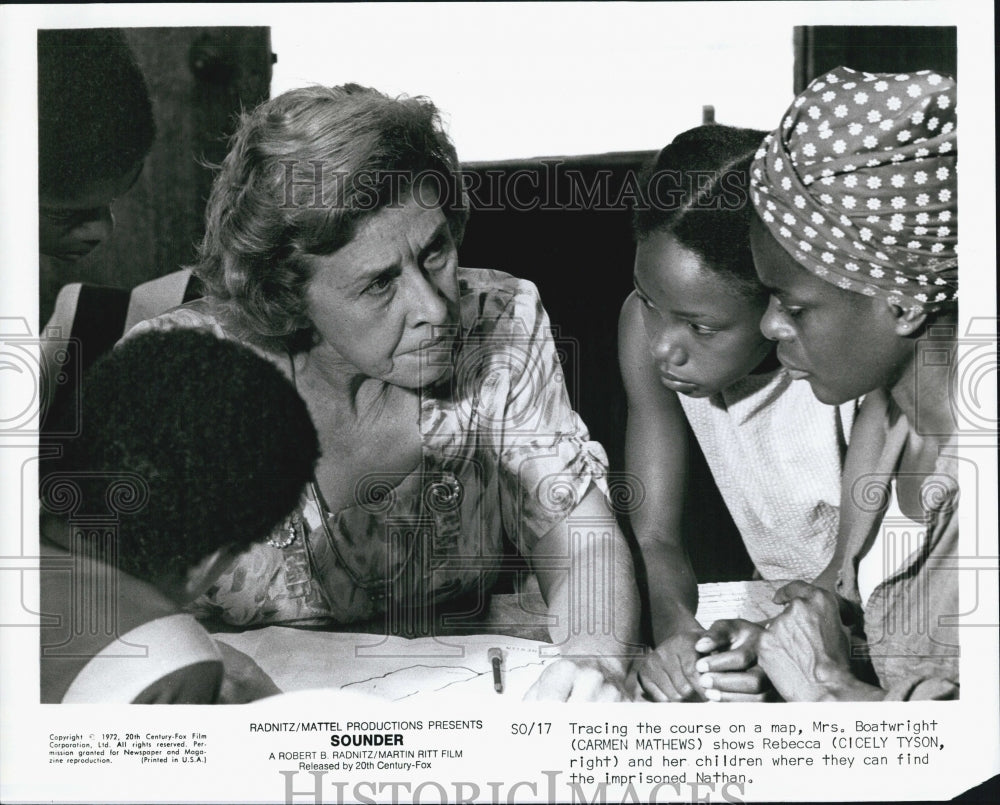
[{"x": 856, "y": 238}]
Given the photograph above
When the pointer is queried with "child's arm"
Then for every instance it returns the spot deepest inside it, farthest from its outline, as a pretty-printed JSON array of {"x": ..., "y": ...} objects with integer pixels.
[{"x": 656, "y": 452}]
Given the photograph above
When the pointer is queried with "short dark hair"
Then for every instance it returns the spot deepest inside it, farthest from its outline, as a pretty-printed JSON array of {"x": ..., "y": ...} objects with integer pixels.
[
  {"x": 221, "y": 439},
  {"x": 708, "y": 207},
  {"x": 95, "y": 118}
]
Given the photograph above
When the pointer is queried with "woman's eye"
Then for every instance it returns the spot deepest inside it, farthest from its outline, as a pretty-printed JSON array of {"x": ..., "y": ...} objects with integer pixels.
[
  {"x": 701, "y": 329},
  {"x": 646, "y": 303},
  {"x": 380, "y": 286},
  {"x": 790, "y": 311},
  {"x": 436, "y": 255}
]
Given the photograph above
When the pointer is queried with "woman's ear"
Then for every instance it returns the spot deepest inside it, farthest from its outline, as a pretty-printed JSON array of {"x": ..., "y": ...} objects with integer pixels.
[{"x": 908, "y": 321}]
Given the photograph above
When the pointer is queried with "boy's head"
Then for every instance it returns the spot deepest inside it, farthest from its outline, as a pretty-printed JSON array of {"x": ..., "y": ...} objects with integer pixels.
[
  {"x": 220, "y": 439},
  {"x": 95, "y": 128}
]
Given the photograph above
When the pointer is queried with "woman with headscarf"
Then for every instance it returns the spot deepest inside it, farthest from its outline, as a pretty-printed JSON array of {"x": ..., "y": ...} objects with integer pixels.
[{"x": 857, "y": 241}]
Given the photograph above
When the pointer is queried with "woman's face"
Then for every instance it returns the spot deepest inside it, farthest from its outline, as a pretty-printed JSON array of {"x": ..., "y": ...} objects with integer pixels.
[
  {"x": 380, "y": 302},
  {"x": 72, "y": 225},
  {"x": 703, "y": 334},
  {"x": 845, "y": 344}
]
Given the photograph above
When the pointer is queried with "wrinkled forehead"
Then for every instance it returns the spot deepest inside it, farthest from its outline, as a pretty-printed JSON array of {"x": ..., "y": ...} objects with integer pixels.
[{"x": 382, "y": 241}]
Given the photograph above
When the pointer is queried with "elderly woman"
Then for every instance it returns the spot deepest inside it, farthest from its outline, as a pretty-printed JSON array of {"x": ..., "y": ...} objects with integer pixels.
[
  {"x": 444, "y": 422},
  {"x": 856, "y": 239}
]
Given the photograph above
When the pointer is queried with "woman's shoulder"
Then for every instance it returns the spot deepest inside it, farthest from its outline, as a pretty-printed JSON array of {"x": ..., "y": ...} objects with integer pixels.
[
  {"x": 208, "y": 315},
  {"x": 492, "y": 283},
  {"x": 489, "y": 296},
  {"x": 199, "y": 314}
]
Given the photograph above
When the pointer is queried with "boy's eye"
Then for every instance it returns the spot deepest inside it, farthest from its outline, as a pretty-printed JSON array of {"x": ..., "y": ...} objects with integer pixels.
[
  {"x": 702, "y": 329},
  {"x": 60, "y": 216}
]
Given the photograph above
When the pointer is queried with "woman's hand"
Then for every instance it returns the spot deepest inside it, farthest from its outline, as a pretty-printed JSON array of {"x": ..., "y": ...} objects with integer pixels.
[
  {"x": 580, "y": 680},
  {"x": 668, "y": 673},
  {"x": 805, "y": 651},
  {"x": 729, "y": 671},
  {"x": 597, "y": 632}
]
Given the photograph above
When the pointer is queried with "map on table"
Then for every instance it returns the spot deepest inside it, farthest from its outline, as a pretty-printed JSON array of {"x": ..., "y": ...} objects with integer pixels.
[
  {"x": 750, "y": 600},
  {"x": 397, "y": 668},
  {"x": 392, "y": 668}
]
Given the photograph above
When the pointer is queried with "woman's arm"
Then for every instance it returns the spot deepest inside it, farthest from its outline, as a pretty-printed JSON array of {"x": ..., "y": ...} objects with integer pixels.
[
  {"x": 551, "y": 502},
  {"x": 586, "y": 577},
  {"x": 805, "y": 651}
]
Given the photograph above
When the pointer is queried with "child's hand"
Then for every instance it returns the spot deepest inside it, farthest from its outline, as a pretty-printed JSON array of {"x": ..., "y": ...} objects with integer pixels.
[
  {"x": 668, "y": 673},
  {"x": 728, "y": 670}
]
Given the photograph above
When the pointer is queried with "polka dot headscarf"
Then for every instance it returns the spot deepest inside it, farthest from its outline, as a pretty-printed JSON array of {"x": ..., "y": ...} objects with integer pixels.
[{"x": 858, "y": 185}]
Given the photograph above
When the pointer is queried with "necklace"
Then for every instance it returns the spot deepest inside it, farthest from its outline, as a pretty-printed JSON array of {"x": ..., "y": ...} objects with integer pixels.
[{"x": 288, "y": 532}]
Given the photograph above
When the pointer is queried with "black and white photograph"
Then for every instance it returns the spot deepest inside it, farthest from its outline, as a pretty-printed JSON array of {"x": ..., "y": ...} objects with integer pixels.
[{"x": 455, "y": 402}]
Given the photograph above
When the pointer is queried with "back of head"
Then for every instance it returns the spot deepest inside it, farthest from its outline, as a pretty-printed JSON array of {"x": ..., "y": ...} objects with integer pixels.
[
  {"x": 697, "y": 189},
  {"x": 303, "y": 170},
  {"x": 95, "y": 119},
  {"x": 220, "y": 443}
]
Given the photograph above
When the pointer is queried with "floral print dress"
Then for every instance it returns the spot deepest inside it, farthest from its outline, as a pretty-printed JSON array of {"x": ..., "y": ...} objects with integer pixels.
[{"x": 503, "y": 452}]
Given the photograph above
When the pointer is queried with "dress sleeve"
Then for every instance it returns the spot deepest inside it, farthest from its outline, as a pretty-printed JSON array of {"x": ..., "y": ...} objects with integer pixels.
[{"x": 546, "y": 458}]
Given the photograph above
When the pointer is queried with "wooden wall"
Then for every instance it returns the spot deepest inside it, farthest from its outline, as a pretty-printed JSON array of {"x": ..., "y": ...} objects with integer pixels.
[
  {"x": 199, "y": 79},
  {"x": 570, "y": 234},
  {"x": 875, "y": 48}
]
